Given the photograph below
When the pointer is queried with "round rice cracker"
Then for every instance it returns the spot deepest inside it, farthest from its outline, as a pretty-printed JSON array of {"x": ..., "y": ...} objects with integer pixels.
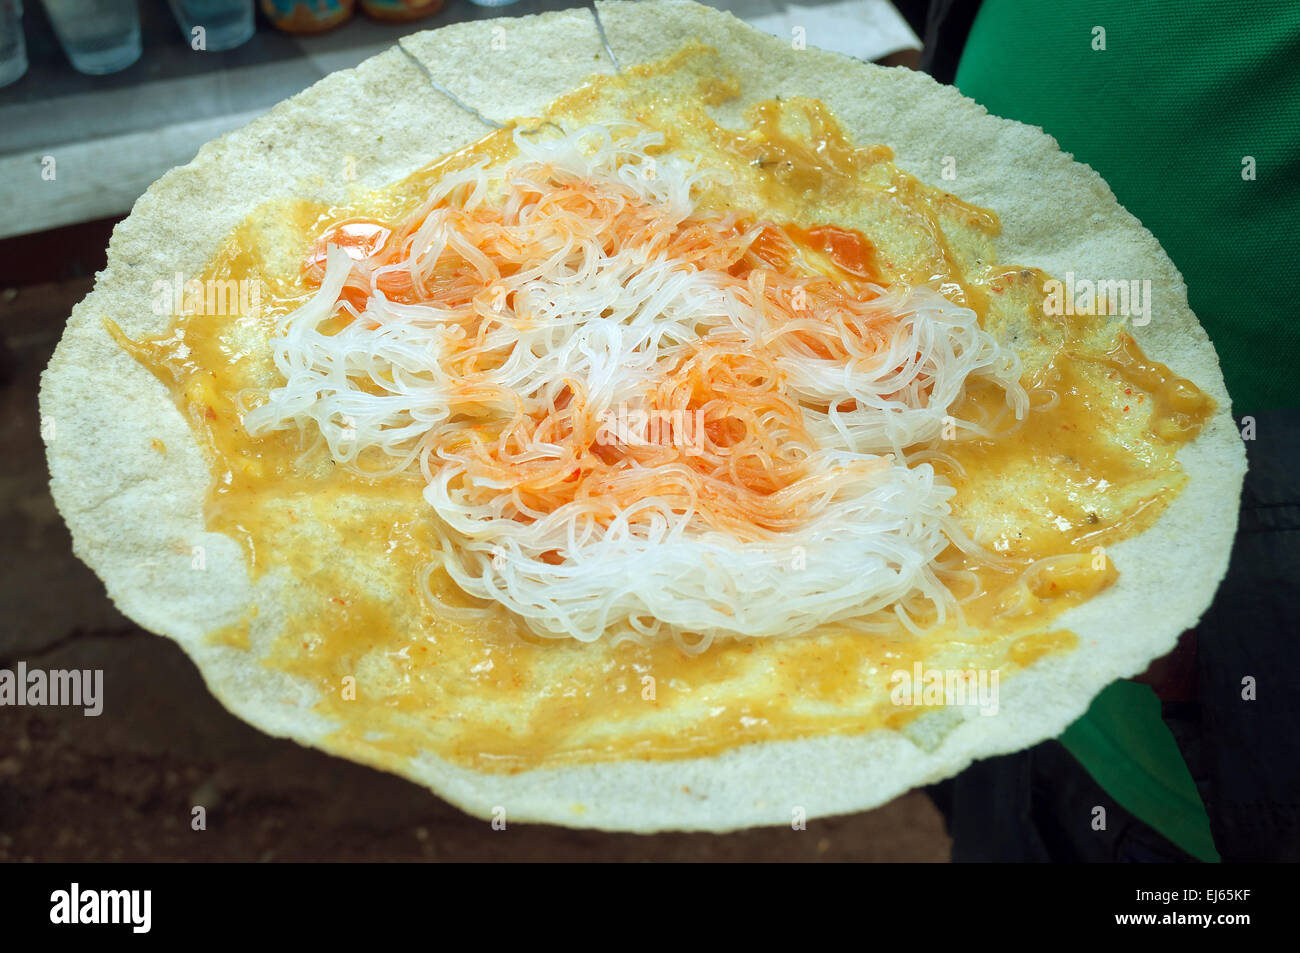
[{"x": 136, "y": 516}]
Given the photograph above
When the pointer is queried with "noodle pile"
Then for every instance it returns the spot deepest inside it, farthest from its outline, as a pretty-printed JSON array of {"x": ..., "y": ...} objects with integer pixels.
[{"x": 633, "y": 418}]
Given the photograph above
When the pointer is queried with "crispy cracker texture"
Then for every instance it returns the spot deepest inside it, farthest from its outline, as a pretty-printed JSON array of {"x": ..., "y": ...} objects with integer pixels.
[{"x": 136, "y": 515}]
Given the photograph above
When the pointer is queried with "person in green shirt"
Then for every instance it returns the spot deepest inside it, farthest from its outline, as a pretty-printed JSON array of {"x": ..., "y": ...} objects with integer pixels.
[{"x": 1191, "y": 112}]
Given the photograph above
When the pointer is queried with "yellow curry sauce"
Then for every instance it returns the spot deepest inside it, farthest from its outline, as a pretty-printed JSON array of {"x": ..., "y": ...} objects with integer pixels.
[{"x": 1093, "y": 463}]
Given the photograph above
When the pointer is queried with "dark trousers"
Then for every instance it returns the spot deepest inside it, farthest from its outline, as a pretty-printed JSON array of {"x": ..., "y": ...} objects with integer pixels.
[{"x": 1243, "y": 755}]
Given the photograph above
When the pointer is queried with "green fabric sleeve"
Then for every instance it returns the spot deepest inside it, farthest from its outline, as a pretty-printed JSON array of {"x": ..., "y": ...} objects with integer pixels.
[{"x": 1171, "y": 113}]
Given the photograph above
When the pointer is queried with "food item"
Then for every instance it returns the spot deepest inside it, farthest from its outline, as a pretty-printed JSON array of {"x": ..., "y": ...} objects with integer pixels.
[
  {"x": 435, "y": 531},
  {"x": 308, "y": 16},
  {"x": 400, "y": 10}
]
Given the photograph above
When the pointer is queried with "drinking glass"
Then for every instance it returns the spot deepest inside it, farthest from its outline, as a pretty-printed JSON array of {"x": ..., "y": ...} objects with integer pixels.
[
  {"x": 99, "y": 36},
  {"x": 226, "y": 23},
  {"x": 13, "y": 48}
]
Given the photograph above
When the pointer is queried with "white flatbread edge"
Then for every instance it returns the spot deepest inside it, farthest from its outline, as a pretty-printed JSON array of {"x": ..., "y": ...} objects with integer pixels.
[{"x": 136, "y": 513}]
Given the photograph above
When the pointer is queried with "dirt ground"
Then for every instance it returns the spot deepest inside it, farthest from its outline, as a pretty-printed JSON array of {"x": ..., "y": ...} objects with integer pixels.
[{"x": 121, "y": 786}]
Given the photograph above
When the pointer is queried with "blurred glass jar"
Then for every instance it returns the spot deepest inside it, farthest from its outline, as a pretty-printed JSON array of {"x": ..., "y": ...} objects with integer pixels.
[
  {"x": 99, "y": 36},
  {"x": 307, "y": 16},
  {"x": 13, "y": 47},
  {"x": 400, "y": 10},
  {"x": 214, "y": 25}
]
